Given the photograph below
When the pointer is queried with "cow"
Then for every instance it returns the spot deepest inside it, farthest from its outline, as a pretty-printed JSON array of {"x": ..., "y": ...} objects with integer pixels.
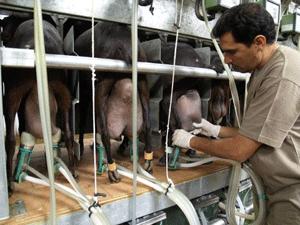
[
  {"x": 113, "y": 92},
  {"x": 186, "y": 104},
  {"x": 21, "y": 97},
  {"x": 219, "y": 102}
]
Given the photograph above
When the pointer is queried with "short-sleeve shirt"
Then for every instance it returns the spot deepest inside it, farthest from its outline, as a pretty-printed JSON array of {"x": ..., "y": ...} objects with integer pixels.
[{"x": 272, "y": 118}]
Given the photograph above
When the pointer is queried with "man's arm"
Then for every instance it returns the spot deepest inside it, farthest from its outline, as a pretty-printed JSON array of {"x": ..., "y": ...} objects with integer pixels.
[
  {"x": 238, "y": 148},
  {"x": 226, "y": 132}
]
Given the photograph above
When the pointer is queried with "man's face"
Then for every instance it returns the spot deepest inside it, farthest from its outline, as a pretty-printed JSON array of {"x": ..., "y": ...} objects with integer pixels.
[{"x": 243, "y": 58}]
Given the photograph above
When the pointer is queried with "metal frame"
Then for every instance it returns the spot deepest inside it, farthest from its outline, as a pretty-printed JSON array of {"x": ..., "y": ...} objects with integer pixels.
[
  {"x": 12, "y": 57},
  {"x": 25, "y": 58},
  {"x": 119, "y": 11},
  {"x": 4, "y": 207}
]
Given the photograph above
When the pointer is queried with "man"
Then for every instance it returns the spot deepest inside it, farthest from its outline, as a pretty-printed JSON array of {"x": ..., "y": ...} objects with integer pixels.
[{"x": 269, "y": 135}]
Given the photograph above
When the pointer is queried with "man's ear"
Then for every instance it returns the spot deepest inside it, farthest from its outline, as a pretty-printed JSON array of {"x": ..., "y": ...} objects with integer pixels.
[{"x": 260, "y": 41}]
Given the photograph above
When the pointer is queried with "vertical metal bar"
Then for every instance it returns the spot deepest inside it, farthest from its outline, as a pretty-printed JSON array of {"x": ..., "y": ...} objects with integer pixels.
[
  {"x": 4, "y": 207},
  {"x": 134, "y": 46}
]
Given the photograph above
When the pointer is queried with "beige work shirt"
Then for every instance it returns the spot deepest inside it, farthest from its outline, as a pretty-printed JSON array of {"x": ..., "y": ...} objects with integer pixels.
[{"x": 272, "y": 118}]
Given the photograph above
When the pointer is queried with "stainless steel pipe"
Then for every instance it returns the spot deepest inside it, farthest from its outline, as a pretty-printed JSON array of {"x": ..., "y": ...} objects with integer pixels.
[{"x": 12, "y": 57}]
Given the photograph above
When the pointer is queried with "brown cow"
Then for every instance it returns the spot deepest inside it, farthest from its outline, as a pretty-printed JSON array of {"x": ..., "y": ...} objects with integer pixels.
[{"x": 21, "y": 96}]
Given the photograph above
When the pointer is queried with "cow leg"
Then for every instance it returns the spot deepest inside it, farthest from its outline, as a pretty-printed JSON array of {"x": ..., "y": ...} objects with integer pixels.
[
  {"x": 103, "y": 89},
  {"x": 69, "y": 140},
  {"x": 10, "y": 143},
  {"x": 144, "y": 97},
  {"x": 173, "y": 121},
  {"x": 12, "y": 102},
  {"x": 63, "y": 97},
  {"x": 84, "y": 105}
]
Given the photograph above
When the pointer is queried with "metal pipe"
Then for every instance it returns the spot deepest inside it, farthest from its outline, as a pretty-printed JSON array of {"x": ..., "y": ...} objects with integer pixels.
[
  {"x": 24, "y": 58},
  {"x": 4, "y": 208},
  {"x": 134, "y": 48},
  {"x": 298, "y": 44}
]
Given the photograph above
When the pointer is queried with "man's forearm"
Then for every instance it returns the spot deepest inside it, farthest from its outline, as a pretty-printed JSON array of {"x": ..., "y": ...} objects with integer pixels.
[
  {"x": 228, "y": 132},
  {"x": 238, "y": 148},
  {"x": 222, "y": 148}
]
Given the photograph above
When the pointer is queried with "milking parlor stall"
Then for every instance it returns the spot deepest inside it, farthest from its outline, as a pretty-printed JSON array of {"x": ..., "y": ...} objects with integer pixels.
[{"x": 92, "y": 92}]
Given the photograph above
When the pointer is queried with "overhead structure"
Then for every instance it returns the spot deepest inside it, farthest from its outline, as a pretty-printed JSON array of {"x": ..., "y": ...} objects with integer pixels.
[
  {"x": 273, "y": 7},
  {"x": 290, "y": 23}
]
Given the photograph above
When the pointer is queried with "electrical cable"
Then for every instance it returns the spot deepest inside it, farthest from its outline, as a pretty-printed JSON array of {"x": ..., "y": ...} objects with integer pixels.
[{"x": 177, "y": 26}]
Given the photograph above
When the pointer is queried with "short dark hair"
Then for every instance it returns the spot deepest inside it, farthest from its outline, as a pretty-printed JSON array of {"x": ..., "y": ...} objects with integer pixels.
[{"x": 245, "y": 22}]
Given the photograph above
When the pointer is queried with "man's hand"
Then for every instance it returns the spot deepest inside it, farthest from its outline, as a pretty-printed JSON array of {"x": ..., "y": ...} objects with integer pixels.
[
  {"x": 181, "y": 138},
  {"x": 206, "y": 128}
]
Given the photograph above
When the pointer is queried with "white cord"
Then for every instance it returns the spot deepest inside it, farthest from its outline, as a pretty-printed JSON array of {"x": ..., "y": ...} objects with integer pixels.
[
  {"x": 177, "y": 25},
  {"x": 92, "y": 67},
  {"x": 232, "y": 85}
]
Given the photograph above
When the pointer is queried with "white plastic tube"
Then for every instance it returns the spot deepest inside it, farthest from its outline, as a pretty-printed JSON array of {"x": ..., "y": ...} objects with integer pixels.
[
  {"x": 237, "y": 213},
  {"x": 232, "y": 200},
  {"x": 43, "y": 97},
  {"x": 242, "y": 210},
  {"x": 198, "y": 163},
  {"x": 260, "y": 193},
  {"x": 175, "y": 195},
  {"x": 97, "y": 216},
  {"x": 65, "y": 171}
]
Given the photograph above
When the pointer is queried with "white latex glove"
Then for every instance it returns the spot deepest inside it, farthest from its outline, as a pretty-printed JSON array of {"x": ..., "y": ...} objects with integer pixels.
[
  {"x": 181, "y": 138},
  {"x": 206, "y": 128}
]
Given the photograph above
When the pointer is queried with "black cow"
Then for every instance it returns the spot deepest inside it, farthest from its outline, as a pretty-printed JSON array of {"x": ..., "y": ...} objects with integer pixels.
[
  {"x": 186, "y": 104},
  {"x": 113, "y": 91}
]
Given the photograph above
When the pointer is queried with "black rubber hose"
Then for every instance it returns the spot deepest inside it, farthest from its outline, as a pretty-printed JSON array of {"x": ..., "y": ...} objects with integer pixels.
[
  {"x": 145, "y": 2},
  {"x": 198, "y": 14}
]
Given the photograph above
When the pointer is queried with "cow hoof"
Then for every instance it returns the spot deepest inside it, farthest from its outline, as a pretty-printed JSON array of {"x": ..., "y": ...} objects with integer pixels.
[
  {"x": 148, "y": 166},
  {"x": 11, "y": 188},
  {"x": 75, "y": 175},
  {"x": 162, "y": 161},
  {"x": 191, "y": 153},
  {"x": 114, "y": 176}
]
